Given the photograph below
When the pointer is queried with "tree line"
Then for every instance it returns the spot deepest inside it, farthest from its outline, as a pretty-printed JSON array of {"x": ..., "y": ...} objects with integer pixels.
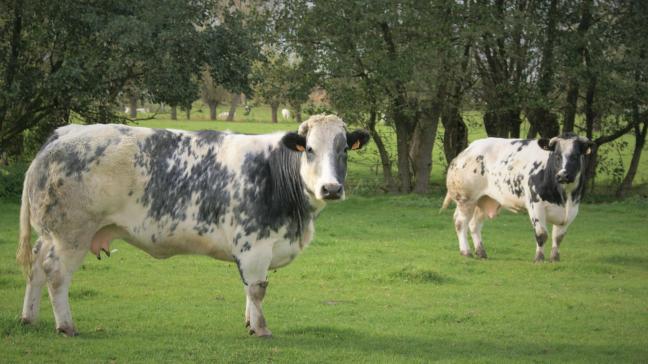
[
  {"x": 554, "y": 65},
  {"x": 423, "y": 63}
]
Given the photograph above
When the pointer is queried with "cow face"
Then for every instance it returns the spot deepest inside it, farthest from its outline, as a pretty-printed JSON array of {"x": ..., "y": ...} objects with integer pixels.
[
  {"x": 324, "y": 142},
  {"x": 566, "y": 157}
]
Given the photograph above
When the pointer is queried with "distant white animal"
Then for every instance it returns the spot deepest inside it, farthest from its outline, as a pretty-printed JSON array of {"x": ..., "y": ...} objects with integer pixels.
[
  {"x": 285, "y": 114},
  {"x": 223, "y": 115}
]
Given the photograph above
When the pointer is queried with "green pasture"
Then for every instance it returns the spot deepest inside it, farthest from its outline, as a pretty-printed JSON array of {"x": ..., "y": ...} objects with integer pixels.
[{"x": 382, "y": 282}]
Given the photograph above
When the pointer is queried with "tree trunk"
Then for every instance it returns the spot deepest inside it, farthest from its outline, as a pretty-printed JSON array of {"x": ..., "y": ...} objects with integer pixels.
[
  {"x": 502, "y": 123},
  {"x": 543, "y": 122},
  {"x": 403, "y": 134},
  {"x": 577, "y": 58},
  {"x": 424, "y": 137},
  {"x": 188, "y": 113},
  {"x": 455, "y": 137},
  {"x": 385, "y": 160},
  {"x": 296, "y": 109},
  {"x": 273, "y": 109},
  {"x": 132, "y": 103},
  {"x": 212, "y": 110},
  {"x": 570, "y": 107},
  {"x": 640, "y": 140},
  {"x": 174, "y": 113},
  {"x": 236, "y": 98}
]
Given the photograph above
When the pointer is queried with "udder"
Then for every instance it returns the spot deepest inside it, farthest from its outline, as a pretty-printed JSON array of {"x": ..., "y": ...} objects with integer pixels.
[{"x": 103, "y": 237}]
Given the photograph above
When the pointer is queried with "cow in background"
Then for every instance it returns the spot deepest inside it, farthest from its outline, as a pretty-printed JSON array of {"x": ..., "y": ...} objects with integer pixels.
[
  {"x": 248, "y": 199},
  {"x": 543, "y": 177}
]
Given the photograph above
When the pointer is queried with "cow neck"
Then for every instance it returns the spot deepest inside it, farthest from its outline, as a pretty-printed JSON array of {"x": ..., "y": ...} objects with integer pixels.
[
  {"x": 550, "y": 189},
  {"x": 554, "y": 191},
  {"x": 287, "y": 188}
]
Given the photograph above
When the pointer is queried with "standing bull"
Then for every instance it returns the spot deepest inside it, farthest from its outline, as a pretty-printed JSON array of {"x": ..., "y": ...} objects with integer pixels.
[
  {"x": 543, "y": 177},
  {"x": 250, "y": 199}
]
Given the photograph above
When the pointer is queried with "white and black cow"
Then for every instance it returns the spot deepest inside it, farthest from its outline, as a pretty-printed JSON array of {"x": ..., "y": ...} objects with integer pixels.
[
  {"x": 250, "y": 199},
  {"x": 542, "y": 177}
]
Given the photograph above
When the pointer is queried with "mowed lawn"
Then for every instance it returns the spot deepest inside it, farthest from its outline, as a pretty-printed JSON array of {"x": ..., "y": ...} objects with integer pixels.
[{"x": 382, "y": 281}]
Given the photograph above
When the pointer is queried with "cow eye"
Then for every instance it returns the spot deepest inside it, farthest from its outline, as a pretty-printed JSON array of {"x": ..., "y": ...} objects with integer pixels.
[{"x": 309, "y": 150}]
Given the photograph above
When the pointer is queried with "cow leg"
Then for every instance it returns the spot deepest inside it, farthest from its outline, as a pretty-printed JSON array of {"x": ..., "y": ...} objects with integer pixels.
[
  {"x": 253, "y": 266},
  {"x": 557, "y": 234},
  {"x": 59, "y": 265},
  {"x": 476, "y": 224},
  {"x": 35, "y": 283},
  {"x": 462, "y": 216},
  {"x": 541, "y": 238}
]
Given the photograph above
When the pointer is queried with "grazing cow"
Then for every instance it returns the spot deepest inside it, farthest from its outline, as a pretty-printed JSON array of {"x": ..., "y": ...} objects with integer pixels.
[
  {"x": 285, "y": 113},
  {"x": 544, "y": 177},
  {"x": 223, "y": 116},
  {"x": 249, "y": 199}
]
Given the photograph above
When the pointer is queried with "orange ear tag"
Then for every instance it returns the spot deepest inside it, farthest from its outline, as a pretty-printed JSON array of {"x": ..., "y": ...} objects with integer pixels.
[
  {"x": 356, "y": 145},
  {"x": 299, "y": 148}
]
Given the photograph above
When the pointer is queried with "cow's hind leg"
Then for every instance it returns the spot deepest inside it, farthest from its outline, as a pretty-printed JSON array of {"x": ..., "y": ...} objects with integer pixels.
[
  {"x": 253, "y": 266},
  {"x": 35, "y": 283},
  {"x": 476, "y": 224},
  {"x": 60, "y": 263},
  {"x": 462, "y": 216},
  {"x": 557, "y": 234}
]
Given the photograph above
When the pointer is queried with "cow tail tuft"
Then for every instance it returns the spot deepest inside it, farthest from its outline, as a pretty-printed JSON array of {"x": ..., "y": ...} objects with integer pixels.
[
  {"x": 446, "y": 202},
  {"x": 24, "y": 253}
]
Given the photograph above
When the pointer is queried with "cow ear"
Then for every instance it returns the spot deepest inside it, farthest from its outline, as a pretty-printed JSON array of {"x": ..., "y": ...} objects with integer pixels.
[
  {"x": 357, "y": 139},
  {"x": 294, "y": 141},
  {"x": 545, "y": 144}
]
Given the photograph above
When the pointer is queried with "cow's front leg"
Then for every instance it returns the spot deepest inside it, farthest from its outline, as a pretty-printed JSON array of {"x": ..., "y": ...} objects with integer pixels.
[
  {"x": 540, "y": 231},
  {"x": 253, "y": 266},
  {"x": 557, "y": 234}
]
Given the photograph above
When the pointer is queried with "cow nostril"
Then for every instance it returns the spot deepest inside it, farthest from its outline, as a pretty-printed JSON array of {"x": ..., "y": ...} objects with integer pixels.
[{"x": 331, "y": 189}]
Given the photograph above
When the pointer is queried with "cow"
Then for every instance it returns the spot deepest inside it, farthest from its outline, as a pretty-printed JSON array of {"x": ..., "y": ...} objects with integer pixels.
[
  {"x": 285, "y": 114},
  {"x": 223, "y": 116},
  {"x": 248, "y": 199},
  {"x": 543, "y": 177}
]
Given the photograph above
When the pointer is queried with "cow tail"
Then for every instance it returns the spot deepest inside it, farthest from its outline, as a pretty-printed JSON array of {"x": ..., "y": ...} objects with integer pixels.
[
  {"x": 24, "y": 253},
  {"x": 446, "y": 202}
]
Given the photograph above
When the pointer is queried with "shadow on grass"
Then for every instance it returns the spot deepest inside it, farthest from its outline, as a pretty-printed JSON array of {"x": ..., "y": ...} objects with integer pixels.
[
  {"x": 452, "y": 348},
  {"x": 627, "y": 261}
]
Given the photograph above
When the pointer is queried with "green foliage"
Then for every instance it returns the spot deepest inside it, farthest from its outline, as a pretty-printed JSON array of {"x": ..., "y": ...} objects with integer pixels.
[
  {"x": 68, "y": 58},
  {"x": 11, "y": 181}
]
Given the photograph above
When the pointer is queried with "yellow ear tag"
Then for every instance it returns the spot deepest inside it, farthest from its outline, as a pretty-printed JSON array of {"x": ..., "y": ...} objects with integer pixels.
[
  {"x": 299, "y": 148},
  {"x": 356, "y": 145}
]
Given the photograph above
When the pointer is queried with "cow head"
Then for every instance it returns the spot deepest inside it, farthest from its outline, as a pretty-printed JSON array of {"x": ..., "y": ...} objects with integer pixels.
[
  {"x": 324, "y": 142},
  {"x": 566, "y": 157}
]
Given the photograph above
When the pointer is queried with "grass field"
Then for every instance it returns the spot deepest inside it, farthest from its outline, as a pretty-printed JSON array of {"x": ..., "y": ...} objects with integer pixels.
[{"x": 382, "y": 281}]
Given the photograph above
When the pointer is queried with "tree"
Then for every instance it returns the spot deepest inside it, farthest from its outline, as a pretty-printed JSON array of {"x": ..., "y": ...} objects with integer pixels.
[
  {"x": 212, "y": 94},
  {"x": 68, "y": 58}
]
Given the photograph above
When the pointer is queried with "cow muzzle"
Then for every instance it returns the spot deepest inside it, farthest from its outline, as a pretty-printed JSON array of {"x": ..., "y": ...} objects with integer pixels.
[
  {"x": 332, "y": 191},
  {"x": 563, "y": 177}
]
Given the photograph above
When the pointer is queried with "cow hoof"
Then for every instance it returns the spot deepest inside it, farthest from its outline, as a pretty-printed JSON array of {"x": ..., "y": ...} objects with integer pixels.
[
  {"x": 555, "y": 257},
  {"x": 25, "y": 321},
  {"x": 481, "y": 253},
  {"x": 539, "y": 258},
  {"x": 262, "y": 332},
  {"x": 466, "y": 253},
  {"x": 67, "y": 331}
]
